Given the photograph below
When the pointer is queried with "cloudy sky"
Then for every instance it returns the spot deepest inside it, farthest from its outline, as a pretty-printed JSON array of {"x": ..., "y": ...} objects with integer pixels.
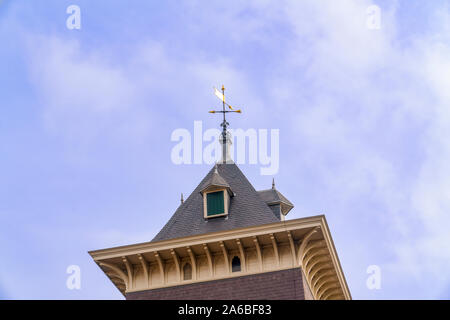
[{"x": 86, "y": 118}]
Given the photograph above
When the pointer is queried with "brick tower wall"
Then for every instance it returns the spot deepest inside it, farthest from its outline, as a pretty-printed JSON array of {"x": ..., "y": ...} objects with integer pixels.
[{"x": 276, "y": 285}]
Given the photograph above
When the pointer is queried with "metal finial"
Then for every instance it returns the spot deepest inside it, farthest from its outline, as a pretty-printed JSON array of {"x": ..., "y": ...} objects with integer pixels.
[
  {"x": 182, "y": 200},
  {"x": 273, "y": 183}
]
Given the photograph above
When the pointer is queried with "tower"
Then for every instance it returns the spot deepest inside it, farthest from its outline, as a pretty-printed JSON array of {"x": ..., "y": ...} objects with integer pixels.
[{"x": 229, "y": 241}]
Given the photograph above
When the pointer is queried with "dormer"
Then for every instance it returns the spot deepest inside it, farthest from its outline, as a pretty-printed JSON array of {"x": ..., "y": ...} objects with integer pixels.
[
  {"x": 278, "y": 203},
  {"x": 217, "y": 195}
]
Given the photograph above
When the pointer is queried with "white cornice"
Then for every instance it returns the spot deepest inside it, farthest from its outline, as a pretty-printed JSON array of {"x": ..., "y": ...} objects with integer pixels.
[
  {"x": 309, "y": 224},
  {"x": 139, "y": 248}
]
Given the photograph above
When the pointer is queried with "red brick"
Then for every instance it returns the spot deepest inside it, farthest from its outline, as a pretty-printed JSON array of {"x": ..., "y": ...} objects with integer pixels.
[{"x": 276, "y": 285}]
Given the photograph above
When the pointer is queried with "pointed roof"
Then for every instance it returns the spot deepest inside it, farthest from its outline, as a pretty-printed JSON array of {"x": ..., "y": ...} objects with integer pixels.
[
  {"x": 215, "y": 180},
  {"x": 273, "y": 196},
  {"x": 246, "y": 207}
]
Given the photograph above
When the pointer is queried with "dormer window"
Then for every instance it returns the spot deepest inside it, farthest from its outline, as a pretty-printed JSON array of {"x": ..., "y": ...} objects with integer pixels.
[
  {"x": 276, "y": 201},
  {"x": 215, "y": 203},
  {"x": 216, "y": 196}
]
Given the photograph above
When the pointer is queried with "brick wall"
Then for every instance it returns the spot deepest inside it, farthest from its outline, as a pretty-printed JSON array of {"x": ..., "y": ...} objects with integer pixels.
[
  {"x": 308, "y": 294},
  {"x": 276, "y": 285}
]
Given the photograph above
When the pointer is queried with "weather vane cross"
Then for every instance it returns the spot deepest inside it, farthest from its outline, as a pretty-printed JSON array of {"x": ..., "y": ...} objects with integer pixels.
[{"x": 221, "y": 96}]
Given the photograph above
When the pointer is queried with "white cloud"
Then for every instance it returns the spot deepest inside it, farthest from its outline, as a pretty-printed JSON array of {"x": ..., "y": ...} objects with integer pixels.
[
  {"x": 372, "y": 113},
  {"x": 371, "y": 98},
  {"x": 89, "y": 93},
  {"x": 84, "y": 94}
]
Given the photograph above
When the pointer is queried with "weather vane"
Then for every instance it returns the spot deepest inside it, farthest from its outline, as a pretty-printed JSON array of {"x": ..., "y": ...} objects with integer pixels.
[{"x": 221, "y": 96}]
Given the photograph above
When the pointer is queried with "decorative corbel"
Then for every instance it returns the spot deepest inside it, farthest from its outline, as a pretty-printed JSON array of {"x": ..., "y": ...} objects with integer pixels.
[
  {"x": 225, "y": 255},
  {"x": 176, "y": 260},
  {"x": 161, "y": 266},
  {"x": 304, "y": 243},
  {"x": 292, "y": 245},
  {"x": 129, "y": 268},
  {"x": 275, "y": 248},
  {"x": 145, "y": 268},
  {"x": 118, "y": 271},
  {"x": 242, "y": 252},
  {"x": 193, "y": 262},
  {"x": 258, "y": 252},
  {"x": 208, "y": 256}
]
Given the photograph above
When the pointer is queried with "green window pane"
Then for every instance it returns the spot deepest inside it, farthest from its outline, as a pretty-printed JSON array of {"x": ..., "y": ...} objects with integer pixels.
[{"x": 215, "y": 203}]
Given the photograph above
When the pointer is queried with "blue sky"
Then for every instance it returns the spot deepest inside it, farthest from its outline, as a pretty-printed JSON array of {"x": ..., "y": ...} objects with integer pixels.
[{"x": 86, "y": 118}]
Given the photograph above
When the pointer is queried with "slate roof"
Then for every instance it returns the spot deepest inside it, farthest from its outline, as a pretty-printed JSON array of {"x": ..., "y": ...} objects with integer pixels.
[
  {"x": 246, "y": 208},
  {"x": 273, "y": 196},
  {"x": 215, "y": 179}
]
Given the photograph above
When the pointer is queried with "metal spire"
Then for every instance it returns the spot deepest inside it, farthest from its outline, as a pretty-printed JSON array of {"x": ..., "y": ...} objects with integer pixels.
[
  {"x": 224, "y": 123},
  {"x": 182, "y": 200},
  {"x": 273, "y": 183}
]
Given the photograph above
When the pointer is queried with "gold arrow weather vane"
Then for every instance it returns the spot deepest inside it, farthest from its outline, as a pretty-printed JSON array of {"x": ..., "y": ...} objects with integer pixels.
[{"x": 221, "y": 96}]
